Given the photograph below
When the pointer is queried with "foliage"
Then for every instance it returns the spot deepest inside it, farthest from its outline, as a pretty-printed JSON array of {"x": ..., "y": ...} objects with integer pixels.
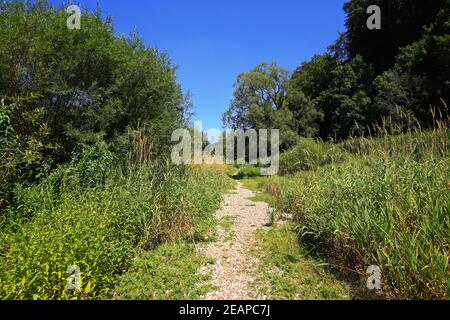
[
  {"x": 335, "y": 90},
  {"x": 402, "y": 23},
  {"x": 309, "y": 155},
  {"x": 365, "y": 76},
  {"x": 385, "y": 207},
  {"x": 170, "y": 272},
  {"x": 86, "y": 85},
  {"x": 100, "y": 227},
  {"x": 286, "y": 270},
  {"x": 260, "y": 102},
  {"x": 244, "y": 171},
  {"x": 22, "y": 155}
]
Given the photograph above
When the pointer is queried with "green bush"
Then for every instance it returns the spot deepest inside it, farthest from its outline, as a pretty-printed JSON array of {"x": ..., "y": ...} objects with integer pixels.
[
  {"x": 309, "y": 155},
  {"x": 22, "y": 157},
  {"x": 247, "y": 171},
  {"x": 93, "y": 164},
  {"x": 80, "y": 87}
]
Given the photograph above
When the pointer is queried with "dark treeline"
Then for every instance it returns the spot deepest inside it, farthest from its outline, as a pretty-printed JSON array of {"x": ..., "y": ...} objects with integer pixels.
[{"x": 366, "y": 75}]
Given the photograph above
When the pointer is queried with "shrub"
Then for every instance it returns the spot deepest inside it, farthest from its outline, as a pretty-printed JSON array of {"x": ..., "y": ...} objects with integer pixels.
[
  {"x": 93, "y": 164},
  {"x": 309, "y": 155},
  {"x": 244, "y": 171},
  {"x": 22, "y": 157}
]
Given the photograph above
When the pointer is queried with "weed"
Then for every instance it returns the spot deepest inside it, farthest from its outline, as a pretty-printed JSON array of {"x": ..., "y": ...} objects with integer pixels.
[
  {"x": 287, "y": 272},
  {"x": 169, "y": 272},
  {"x": 102, "y": 226}
]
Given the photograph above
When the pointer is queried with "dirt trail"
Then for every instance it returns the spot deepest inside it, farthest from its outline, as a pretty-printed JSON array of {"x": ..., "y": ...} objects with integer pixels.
[{"x": 234, "y": 267}]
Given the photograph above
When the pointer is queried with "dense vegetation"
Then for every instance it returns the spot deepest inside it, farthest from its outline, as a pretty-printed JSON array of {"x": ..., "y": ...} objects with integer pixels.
[
  {"x": 85, "y": 125},
  {"x": 374, "y": 201},
  {"x": 365, "y": 76},
  {"x": 99, "y": 227},
  {"x": 61, "y": 89},
  {"x": 364, "y": 130}
]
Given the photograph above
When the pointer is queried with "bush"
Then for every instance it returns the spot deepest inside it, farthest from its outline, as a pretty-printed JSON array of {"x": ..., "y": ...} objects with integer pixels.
[
  {"x": 93, "y": 164},
  {"x": 83, "y": 86},
  {"x": 309, "y": 155},
  {"x": 247, "y": 171},
  {"x": 22, "y": 157}
]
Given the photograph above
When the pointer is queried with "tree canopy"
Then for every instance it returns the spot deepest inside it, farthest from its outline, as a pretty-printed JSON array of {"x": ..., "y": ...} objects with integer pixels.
[
  {"x": 259, "y": 102},
  {"x": 81, "y": 86},
  {"x": 62, "y": 90},
  {"x": 365, "y": 76}
]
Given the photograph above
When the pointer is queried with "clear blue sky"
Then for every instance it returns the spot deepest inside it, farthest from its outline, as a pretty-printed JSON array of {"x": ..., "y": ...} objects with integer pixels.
[{"x": 213, "y": 41}]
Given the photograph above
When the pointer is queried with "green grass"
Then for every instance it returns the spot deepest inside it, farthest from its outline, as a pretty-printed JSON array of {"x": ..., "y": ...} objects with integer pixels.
[
  {"x": 101, "y": 228},
  {"x": 388, "y": 205},
  {"x": 239, "y": 172},
  {"x": 287, "y": 272},
  {"x": 227, "y": 223},
  {"x": 259, "y": 185},
  {"x": 393, "y": 213},
  {"x": 310, "y": 155},
  {"x": 252, "y": 183},
  {"x": 169, "y": 272}
]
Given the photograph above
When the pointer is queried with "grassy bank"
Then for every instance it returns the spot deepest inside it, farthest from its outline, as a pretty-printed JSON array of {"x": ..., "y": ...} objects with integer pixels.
[
  {"x": 99, "y": 218},
  {"x": 385, "y": 202},
  {"x": 287, "y": 272},
  {"x": 169, "y": 272}
]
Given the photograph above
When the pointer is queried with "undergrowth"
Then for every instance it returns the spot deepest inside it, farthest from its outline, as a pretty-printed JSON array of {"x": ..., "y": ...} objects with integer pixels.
[
  {"x": 287, "y": 272},
  {"x": 387, "y": 204},
  {"x": 170, "y": 272},
  {"x": 100, "y": 222}
]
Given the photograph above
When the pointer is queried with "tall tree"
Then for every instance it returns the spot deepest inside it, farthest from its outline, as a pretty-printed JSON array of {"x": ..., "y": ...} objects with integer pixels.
[
  {"x": 335, "y": 91},
  {"x": 87, "y": 84},
  {"x": 259, "y": 102},
  {"x": 402, "y": 22}
]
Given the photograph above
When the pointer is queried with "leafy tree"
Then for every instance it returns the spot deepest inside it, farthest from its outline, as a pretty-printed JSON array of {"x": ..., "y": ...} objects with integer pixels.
[
  {"x": 306, "y": 117},
  {"x": 260, "y": 102},
  {"x": 89, "y": 84},
  {"x": 398, "y": 92},
  {"x": 61, "y": 88},
  {"x": 401, "y": 24},
  {"x": 428, "y": 59},
  {"x": 334, "y": 92},
  {"x": 307, "y": 85}
]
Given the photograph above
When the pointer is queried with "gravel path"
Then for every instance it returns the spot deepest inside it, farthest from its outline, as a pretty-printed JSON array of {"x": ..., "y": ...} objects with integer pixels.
[{"x": 234, "y": 267}]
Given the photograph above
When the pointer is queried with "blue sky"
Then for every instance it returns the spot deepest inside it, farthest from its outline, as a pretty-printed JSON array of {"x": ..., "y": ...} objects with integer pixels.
[{"x": 213, "y": 41}]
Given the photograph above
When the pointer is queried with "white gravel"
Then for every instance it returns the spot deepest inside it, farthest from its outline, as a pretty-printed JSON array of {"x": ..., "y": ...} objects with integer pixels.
[{"x": 234, "y": 267}]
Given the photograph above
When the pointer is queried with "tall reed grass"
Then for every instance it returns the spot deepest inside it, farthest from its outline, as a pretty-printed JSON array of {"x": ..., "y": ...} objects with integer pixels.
[
  {"x": 387, "y": 204},
  {"x": 99, "y": 221}
]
